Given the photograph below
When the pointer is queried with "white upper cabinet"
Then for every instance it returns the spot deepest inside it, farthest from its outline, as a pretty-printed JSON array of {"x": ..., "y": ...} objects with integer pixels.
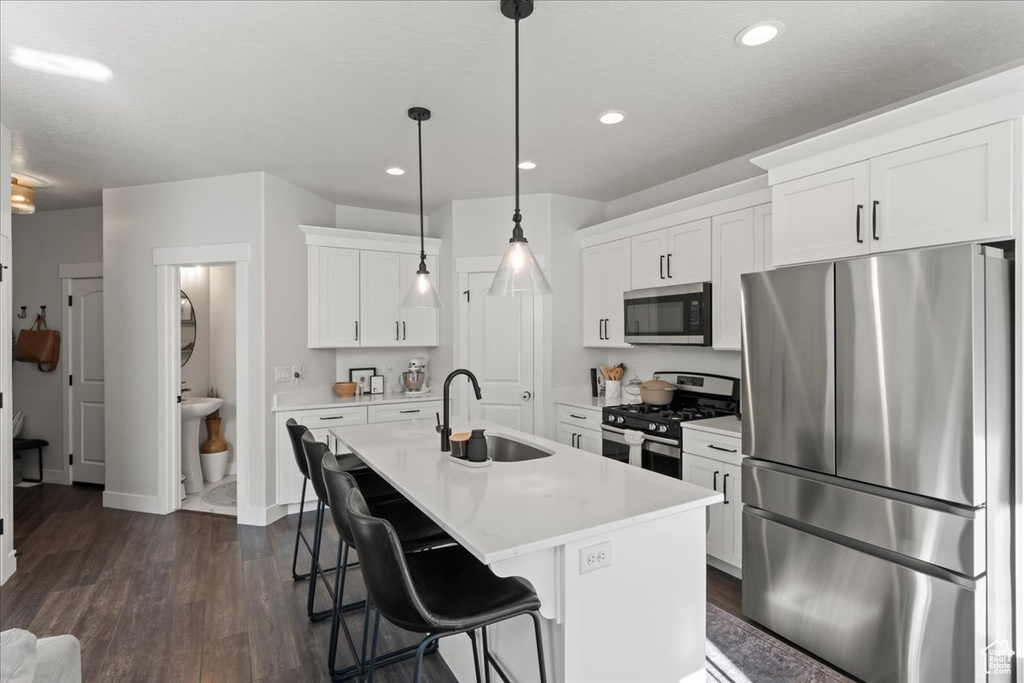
[
  {"x": 333, "y": 297},
  {"x": 606, "y": 276},
  {"x": 738, "y": 248},
  {"x": 689, "y": 253},
  {"x": 679, "y": 255},
  {"x": 957, "y": 189},
  {"x": 647, "y": 258},
  {"x": 356, "y": 283},
  {"x": 379, "y": 297},
  {"x": 822, "y": 216},
  {"x": 419, "y": 325}
]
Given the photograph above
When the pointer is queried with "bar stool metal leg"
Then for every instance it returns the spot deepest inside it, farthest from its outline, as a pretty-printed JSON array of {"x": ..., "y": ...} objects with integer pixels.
[{"x": 300, "y": 536}]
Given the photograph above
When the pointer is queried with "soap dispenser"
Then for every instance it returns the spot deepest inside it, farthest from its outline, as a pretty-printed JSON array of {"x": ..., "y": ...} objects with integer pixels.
[{"x": 476, "y": 449}]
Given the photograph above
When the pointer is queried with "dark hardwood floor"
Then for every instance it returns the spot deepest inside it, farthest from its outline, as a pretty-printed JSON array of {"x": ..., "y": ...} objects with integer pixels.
[{"x": 184, "y": 597}]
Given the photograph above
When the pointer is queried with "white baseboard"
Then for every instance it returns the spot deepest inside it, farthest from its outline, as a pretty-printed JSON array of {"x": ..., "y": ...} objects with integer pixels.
[
  {"x": 725, "y": 567},
  {"x": 133, "y": 502},
  {"x": 261, "y": 516}
]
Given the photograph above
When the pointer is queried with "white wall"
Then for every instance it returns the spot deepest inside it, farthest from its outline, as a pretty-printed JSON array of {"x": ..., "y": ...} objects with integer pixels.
[
  {"x": 41, "y": 242},
  {"x": 7, "y": 558},
  {"x": 136, "y": 220},
  {"x": 442, "y": 360},
  {"x": 358, "y": 218},
  {"x": 223, "y": 356},
  {"x": 195, "y": 282}
]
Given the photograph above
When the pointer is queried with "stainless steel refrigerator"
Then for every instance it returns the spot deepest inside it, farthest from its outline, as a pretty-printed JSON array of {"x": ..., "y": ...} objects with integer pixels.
[{"x": 877, "y": 414}]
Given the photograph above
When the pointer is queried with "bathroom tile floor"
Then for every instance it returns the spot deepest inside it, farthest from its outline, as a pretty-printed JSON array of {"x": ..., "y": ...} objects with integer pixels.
[{"x": 195, "y": 502}]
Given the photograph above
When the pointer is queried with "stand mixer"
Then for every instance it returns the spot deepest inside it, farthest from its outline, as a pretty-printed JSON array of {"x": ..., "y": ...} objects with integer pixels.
[{"x": 414, "y": 379}]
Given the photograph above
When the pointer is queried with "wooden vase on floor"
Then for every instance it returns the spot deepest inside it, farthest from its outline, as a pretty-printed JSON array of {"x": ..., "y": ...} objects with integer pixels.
[{"x": 214, "y": 443}]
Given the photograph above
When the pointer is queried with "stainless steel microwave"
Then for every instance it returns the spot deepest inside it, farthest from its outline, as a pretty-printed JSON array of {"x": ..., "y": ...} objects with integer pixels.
[{"x": 679, "y": 315}]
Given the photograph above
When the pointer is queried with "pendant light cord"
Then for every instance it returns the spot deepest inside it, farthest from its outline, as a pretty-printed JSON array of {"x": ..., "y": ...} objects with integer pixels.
[
  {"x": 517, "y": 231},
  {"x": 419, "y": 140}
]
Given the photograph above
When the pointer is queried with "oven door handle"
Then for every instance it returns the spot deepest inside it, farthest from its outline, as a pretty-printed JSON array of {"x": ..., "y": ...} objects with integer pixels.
[{"x": 619, "y": 431}]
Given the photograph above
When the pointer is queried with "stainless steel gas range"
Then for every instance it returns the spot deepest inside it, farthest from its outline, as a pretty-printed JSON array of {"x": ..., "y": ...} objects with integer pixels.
[{"x": 658, "y": 429}]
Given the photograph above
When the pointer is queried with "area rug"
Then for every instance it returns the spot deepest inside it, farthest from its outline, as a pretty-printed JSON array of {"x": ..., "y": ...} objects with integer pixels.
[
  {"x": 738, "y": 652},
  {"x": 225, "y": 495}
]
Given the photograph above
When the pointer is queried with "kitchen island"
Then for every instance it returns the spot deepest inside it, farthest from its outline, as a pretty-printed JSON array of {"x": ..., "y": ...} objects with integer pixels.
[{"x": 616, "y": 553}]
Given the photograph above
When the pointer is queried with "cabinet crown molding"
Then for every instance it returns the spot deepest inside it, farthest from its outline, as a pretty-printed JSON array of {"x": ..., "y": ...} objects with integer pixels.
[{"x": 317, "y": 236}]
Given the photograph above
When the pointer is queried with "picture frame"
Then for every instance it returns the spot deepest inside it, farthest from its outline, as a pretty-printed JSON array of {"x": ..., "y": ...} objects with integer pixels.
[
  {"x": 361, "y": 376},
  {"x": 376, "y": 384}
]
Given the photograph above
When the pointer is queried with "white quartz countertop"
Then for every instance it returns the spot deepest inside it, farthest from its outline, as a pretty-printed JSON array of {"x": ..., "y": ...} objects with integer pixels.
[
  {"x": 729, "y": 425},
  {"x": 513, "y": 508},
  {"x": 323, "y": 397}
]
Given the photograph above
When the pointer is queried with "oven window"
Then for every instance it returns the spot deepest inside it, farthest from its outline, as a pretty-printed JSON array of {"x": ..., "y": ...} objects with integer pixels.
[
  {"x": 676, "y": 315},
  {"x": 662, "y": 464},
  {"x": 614, "y": 450}
]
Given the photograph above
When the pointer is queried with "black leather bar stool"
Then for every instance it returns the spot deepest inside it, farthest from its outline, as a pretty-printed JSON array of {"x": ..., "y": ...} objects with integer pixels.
[
  {"x": 369, "y": 481},
  {"x": 416, "y": 532},
  {"x": 295, "y": 433},
  {"x": 438, "y": 592}
]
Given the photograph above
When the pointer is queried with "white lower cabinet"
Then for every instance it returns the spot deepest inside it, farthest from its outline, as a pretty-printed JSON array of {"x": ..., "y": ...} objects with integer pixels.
[
  {"x": 320, "y": 422},
  {"x": 718, "y": 468},
  {"x": 579, "y": 428}
]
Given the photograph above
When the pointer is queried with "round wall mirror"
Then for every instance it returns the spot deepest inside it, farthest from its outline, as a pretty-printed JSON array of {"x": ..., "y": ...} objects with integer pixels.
[{"x": 188, "y": 328}]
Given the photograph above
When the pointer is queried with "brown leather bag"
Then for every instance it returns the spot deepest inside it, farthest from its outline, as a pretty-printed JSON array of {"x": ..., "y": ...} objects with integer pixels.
[{"x": 39, "y": 345}]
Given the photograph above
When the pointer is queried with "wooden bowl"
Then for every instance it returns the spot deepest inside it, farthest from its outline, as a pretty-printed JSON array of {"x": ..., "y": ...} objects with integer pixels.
[{"x": 345, "y": 389}]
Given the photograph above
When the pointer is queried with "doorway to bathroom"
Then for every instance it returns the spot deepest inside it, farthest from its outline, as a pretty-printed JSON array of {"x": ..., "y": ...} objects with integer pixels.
[
  {"x": 202, "y": 387},
  {"x": 209, "y": 454}
]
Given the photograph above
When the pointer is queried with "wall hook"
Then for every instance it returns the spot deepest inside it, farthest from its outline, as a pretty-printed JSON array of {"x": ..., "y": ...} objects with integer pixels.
[
  {"x": 23, "y": 313},
  {"x": 42, "y": 311}
]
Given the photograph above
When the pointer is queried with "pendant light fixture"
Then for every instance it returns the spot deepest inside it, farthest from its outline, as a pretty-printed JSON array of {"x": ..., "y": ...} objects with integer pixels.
[
  {"x": 23, "y": 198},
  {"x": 422, "y": 293},
  {"x": 519, "y": 273}
]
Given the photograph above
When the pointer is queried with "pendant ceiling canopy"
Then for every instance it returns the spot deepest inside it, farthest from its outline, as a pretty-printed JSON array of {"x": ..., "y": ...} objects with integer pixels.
[
  {"x": 422, "y": 293},
  {"x": 519, "y": 273}
]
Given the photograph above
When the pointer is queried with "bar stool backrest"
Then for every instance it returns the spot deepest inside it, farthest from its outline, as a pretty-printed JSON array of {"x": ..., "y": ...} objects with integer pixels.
[
  {"x": 295, "y": 433},
  {"x": 384, "y": 569},
  {"x": 338, "y": 484},
  {"x": 315, "y": 451}
]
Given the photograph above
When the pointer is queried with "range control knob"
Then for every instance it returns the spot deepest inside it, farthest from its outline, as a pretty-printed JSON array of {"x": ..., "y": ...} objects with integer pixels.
[
  {"x": 651, "y": 426},
  {"x": 620, "y": 419},
  {"x": 663, "y": 428}
]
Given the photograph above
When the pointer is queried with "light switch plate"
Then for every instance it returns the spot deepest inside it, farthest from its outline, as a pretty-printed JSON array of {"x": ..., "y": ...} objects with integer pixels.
[
  {"x": 282, "y": 373},
  {"x": 595, "y": 557}
]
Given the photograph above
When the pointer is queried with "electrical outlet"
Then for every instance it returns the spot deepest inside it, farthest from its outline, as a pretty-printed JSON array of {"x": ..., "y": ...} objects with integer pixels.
[
  {"x": 595, "y": 557},
  {"x": 282, "y": 373}
]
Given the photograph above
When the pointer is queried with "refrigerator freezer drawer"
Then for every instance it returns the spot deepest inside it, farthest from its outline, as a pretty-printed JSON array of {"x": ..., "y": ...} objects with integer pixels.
[
  {"x": 876, "y": 619},
  {"x": 938, "y": 534}
]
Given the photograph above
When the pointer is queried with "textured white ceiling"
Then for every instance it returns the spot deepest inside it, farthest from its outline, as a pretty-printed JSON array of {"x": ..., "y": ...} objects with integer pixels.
[{"x": 316, "y": 92}]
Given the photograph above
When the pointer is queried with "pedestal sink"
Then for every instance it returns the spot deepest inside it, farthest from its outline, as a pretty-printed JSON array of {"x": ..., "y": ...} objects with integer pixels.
[{"x": 194, "y": 409}]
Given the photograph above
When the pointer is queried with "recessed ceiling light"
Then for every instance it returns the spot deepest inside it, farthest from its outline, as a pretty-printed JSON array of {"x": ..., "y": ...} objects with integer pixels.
[
  {"x": 394, "y": 170},
  {"x": 759, "y": 33},
  {"x": 61, "y": 65},
  {"x": 527, "y": 165},
  {"x": 611, "y": 117}
]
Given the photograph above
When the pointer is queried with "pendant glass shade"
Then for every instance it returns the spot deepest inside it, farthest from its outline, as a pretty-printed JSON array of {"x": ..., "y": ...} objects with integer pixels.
[
  {"x": 519, "y": 273},
  {"x": 23, "y": 198},
  {"x": 422, "y": 293}
]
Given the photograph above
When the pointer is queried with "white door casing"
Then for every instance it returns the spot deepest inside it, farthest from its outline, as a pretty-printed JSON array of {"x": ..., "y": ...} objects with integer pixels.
[
  {"x": 83, "y": 354},
  {"x": 8, "y": 561}
]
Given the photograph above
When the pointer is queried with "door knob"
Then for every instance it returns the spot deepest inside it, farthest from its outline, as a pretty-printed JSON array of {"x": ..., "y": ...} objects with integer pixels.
[{"x": 527, "y": 395}]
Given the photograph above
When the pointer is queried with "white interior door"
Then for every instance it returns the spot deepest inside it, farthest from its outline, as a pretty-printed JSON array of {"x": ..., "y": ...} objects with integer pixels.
[
  {"x": 84, "y": 353},
  {"x": 500, "y": 339}
]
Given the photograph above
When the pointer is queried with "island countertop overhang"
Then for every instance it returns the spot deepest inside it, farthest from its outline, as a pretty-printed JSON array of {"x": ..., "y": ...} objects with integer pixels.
[{"x": 510, "y": 509}]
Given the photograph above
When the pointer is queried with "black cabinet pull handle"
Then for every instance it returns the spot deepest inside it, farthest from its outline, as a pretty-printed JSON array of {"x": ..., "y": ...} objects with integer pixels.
[
  {"x": 714, "y": 481},
  {"x": 661, "y": 268},
  {"x": 572, "y": 441},
  {"x": 600, "y": 326},
  {"x": 334, "y": 417},
  {"x": 606, "y": 329},
  {"x": 578, "y": 417},
  {"x": 396, "y": 330},
  {"x": 406, "y": 412},
  {"x": 600, "y": 333},
  {"x": 357, "y": 330},
  {"x": 860, "y": 207},
  {"x": 403, "y": 331},
  {"x": 719, "y": 448},
  {"x": 725, "y": 488},
  {"x": 874, "y": 219},
  {"x": 668, "y": 266}
]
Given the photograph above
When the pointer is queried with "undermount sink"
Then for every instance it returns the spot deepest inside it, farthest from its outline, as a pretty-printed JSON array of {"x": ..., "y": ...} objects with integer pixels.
[
  {"x": 199, "y": 406},
  {"x": 503, "y": 449}
]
